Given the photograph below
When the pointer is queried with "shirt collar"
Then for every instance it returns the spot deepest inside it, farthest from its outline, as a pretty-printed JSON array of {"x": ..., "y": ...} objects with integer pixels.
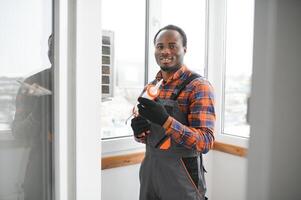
[{"x": 175, "y": 76}]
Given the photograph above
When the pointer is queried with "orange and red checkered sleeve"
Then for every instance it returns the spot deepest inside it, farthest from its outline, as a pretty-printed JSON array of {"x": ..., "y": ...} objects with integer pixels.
[{"x": 199, "y": 134}]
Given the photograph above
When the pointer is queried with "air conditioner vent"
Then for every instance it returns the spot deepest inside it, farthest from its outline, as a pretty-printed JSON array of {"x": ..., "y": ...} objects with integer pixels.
[{"x": 107, "y": 67}]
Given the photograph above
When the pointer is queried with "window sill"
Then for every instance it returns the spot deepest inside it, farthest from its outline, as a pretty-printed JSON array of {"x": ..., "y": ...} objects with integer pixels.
[
  {"x": 121, "y": 160},
  {"x": 136, "y": 158},
  {"x": 230, "y": 149}
]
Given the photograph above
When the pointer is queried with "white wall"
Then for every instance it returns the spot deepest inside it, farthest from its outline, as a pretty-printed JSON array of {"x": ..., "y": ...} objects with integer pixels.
[
  {"x": 225, "y": 179},
  {"x": 228, "y": 181},
  {"x": 274, "y": 153},
  {"x": 87, "y": 103},
  {"x": 120, "y": 183}
]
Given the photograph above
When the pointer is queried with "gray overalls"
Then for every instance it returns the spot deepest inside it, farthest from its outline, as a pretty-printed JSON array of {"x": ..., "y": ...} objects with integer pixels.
[{"x": 176, "y": 173}]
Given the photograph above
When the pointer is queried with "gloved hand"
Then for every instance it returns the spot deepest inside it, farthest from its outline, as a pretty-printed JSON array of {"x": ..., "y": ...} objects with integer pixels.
[
  {"x": 153, "y": 111},
  {"x": 139, "y": 125}
]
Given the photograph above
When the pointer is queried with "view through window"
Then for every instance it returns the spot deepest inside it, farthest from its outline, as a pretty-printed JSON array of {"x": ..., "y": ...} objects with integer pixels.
[
  {"x": 238, "y": 69},
  {"x": 122, "y": 64},
  {"x": 123, "y": 59},
  {"x": 191, "y": 17}
]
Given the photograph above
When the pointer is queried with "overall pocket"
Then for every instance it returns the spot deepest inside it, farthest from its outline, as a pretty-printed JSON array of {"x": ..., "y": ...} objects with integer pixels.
[{"x": 195, "y": 172}]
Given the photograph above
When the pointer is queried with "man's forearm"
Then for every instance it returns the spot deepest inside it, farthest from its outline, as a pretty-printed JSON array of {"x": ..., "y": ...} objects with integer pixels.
[{"x": 200, "y": 139}]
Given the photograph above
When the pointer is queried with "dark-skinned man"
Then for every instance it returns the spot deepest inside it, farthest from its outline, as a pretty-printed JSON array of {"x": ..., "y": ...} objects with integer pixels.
[{"x": 177, "y": 127}]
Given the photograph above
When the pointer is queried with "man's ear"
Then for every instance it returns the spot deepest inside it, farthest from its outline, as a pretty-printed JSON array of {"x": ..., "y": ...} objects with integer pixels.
[{"x": 185, "y": 49}]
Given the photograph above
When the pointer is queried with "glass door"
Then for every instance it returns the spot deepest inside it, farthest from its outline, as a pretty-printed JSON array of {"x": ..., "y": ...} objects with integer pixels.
[{"x": 26, "y": 100}]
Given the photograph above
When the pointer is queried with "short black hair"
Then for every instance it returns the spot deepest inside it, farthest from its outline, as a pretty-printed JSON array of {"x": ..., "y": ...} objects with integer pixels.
[{"x": 175, "y": 28}]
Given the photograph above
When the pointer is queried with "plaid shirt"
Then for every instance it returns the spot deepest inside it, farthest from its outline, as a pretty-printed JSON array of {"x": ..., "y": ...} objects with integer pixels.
[{"x": 197, "y": 101}]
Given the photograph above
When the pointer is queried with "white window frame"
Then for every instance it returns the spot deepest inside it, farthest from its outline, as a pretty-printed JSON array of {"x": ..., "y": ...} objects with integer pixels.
[
  {"x": 61, "y": 144},
  {"x": 215, "y": 46},
  {"x": 127, "y": 144},
  {"x": 216, "y": 68},
  {"x": 77, "y": 129},
  {"x": 216, "y": 25}
]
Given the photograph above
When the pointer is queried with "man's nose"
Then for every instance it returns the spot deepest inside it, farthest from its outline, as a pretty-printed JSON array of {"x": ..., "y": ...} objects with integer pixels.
[{"x": 165, "y": 51}]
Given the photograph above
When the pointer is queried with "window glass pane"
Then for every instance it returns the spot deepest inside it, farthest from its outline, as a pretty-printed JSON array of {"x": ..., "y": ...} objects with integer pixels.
[
  {"x": 26, "y": 100},
  {"x": 123, "y": 44},
  {"x": 191, "y": 18},
  {"x": 239, "y": 55}
]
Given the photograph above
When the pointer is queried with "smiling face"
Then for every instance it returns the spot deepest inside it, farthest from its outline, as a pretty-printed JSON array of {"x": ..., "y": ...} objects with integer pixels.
[{"x": 169, "y": 50}]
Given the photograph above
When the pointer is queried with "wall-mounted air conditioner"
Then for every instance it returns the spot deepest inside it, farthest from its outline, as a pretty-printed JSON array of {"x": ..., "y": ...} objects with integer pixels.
[{"x": 107, "y": 67}]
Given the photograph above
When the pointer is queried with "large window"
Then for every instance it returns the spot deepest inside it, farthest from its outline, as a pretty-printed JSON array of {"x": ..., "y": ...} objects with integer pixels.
[
  {"x": 26, "y": 137},
  {"x": 125, "y": 69},
  {"x": 191, "y": 17},
  {"x": 126, "y": 62},
  {"x": 238, "y": 66},
  {"x": 124, "y": 28}
]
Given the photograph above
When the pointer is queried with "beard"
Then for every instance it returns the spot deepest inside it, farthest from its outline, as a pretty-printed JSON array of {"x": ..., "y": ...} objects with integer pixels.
[{"x": 170, "y": 69}]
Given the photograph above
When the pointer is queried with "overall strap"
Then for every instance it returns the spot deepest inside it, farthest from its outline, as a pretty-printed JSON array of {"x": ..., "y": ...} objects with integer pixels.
[{"x": 180, "y": 87}]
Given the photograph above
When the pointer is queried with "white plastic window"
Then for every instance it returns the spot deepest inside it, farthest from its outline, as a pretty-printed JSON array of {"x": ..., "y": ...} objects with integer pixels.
[
  {"x": 238, "y": 66},
  {"x": 191, "y": 17},
  {"x": 127, "y": 51},
  {"x": 127, "y": 30},
  {"x": 129, "y": 66}
]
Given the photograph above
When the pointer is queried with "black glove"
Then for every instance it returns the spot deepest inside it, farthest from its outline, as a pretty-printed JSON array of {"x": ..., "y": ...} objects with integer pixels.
[
  {"x": 153, "y": 111},
  {"x": 139, "y": 125}
]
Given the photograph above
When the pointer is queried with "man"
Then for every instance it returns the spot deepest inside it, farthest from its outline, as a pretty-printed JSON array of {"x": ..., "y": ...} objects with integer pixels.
[
  {"x": 177, "y": 126},
  {"x": 33, "y": 125}
]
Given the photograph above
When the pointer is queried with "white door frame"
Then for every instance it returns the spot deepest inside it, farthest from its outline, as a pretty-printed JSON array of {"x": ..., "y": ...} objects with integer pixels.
[{"x": 77, "y": 101}]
